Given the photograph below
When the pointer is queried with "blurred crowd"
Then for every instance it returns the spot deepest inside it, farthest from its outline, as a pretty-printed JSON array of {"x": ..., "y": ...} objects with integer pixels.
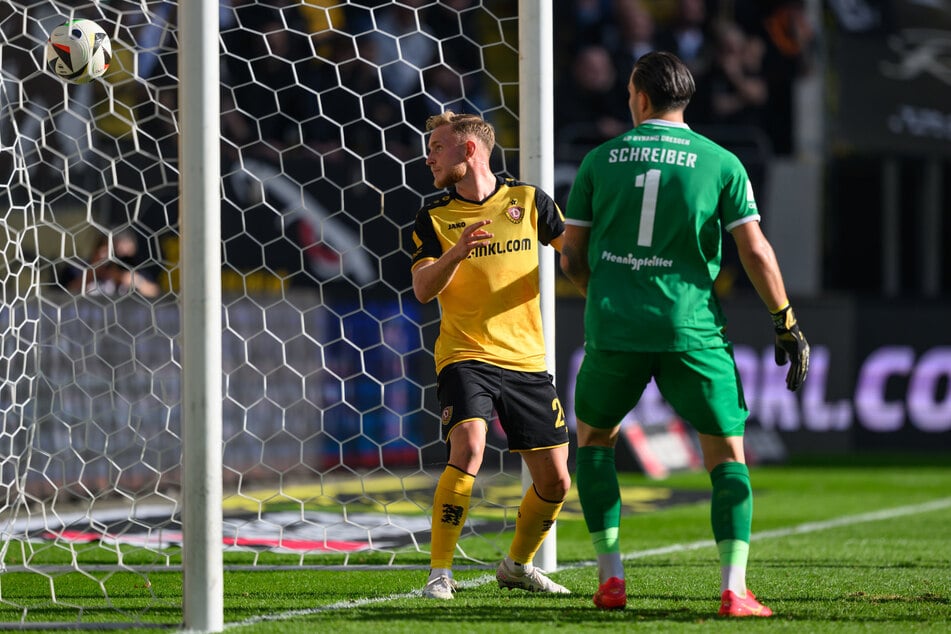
[
  {"x": 745, "y": 55},
  {"x": 293, "y": 73},
  {"x": 323, "y": 104},
  {"x": 336, "y": 95}
]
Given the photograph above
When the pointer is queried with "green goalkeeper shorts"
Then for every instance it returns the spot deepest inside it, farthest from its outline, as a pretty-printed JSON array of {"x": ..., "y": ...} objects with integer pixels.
[{"x": 702, "y": 386}]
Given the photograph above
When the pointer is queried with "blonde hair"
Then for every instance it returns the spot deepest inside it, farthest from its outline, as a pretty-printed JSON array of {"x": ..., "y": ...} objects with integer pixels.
[{"x": 464, "y": 125}]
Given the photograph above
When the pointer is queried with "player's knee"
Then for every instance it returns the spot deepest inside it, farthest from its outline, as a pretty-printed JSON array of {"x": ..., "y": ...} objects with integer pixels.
[
  {"x": 589, "y": 436},
  {"x": 717, "y": 450},
  {"x": 467, "y": 443},
  {"x": 555, "y": 490},
  {"x": 564, "y": 485}
]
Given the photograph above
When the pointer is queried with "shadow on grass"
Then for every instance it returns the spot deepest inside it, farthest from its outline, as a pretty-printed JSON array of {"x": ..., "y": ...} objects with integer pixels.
[
  {"x": 524, "y": 615},
  {"x": 531, "y": 617}
]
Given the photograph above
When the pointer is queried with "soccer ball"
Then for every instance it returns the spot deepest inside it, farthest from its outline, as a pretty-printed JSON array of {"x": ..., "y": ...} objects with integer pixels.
[{"x": 78, "y": 51}]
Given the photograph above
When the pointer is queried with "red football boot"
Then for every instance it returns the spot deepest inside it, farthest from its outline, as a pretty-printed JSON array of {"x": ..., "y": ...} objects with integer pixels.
[
  {"x": 611, "y": 595},
  {"x": 733, "y": 605}
]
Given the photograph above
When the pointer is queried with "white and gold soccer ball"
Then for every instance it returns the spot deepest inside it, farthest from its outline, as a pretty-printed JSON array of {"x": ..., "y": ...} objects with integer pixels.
[{"x": 78, "y": 51}]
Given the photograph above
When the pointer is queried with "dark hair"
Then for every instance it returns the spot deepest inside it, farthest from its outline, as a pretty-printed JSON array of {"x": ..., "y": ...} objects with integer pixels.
[{"x": 665, "y": 79}]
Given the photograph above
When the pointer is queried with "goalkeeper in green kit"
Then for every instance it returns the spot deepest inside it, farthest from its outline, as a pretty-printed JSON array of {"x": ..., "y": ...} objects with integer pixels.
[{"x": 645, "y": 220}]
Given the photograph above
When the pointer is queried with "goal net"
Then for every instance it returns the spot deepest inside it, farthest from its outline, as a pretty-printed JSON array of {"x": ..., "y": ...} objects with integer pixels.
[{"x": 330, "y": 434}]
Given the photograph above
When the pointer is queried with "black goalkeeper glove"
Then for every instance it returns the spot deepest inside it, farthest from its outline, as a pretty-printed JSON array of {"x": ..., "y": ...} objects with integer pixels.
[{"x": 791, "y": 346}]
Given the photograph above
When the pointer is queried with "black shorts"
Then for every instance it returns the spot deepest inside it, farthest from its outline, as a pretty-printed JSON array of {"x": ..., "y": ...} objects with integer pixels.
[{"x": 526, "y": 402}]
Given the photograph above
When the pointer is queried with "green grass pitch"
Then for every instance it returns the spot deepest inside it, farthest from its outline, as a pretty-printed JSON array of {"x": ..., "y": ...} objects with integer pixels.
[{"x": 837, "y": 547}]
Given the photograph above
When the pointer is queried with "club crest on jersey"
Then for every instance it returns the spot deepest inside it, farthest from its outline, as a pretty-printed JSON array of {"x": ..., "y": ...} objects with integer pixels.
[
  {"x": 514, "y": 212},
  {"x": 446, "y": 415}
]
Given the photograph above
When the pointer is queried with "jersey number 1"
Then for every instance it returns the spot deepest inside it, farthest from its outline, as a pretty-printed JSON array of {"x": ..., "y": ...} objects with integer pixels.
[{"x": 650, "y": 181}]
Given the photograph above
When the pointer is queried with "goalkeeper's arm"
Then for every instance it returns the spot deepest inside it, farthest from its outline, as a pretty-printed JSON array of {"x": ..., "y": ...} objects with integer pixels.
[{"x": 759, "y": 262}]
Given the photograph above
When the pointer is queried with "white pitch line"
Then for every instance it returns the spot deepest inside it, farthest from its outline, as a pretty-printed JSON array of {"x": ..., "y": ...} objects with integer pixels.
[
  {"x": 800, "y": 529},
  {"x": 808, "y": 527}
]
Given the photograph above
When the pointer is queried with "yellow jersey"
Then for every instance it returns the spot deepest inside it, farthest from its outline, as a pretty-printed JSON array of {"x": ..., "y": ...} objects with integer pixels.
[{"x": 491, "y": 309}]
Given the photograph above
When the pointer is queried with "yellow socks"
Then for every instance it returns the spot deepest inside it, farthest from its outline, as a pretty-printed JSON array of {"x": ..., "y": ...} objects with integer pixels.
[
  {"x": 535, "y": 518},
  {"x": 450, "y": 508}
]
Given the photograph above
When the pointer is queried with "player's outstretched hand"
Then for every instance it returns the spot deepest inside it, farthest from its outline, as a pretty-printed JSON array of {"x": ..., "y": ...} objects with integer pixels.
[
  {"x": 791, "y": 346},
  {"x": 473, "y": 237}
]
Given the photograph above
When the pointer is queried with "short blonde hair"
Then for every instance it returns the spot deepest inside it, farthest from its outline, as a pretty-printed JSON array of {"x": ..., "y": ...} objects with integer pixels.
[{"x": 464, "y": 125}]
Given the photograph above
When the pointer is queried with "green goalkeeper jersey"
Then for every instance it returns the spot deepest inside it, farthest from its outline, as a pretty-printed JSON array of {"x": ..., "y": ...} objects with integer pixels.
[{"x": 657, "y": 200}]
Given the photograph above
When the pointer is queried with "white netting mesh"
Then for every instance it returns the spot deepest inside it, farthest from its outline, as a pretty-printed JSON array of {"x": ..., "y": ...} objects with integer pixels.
[{"x": 330, "y": 439}]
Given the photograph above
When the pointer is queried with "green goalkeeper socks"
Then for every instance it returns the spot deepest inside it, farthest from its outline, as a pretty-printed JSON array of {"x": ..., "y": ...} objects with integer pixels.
[
  {"x": 731, "y": 508},
  {"x": 600, "y": 496}
]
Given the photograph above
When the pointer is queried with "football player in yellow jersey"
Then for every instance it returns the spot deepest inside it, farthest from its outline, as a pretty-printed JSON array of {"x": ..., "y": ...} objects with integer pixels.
[{"x": 476, "y": 250}]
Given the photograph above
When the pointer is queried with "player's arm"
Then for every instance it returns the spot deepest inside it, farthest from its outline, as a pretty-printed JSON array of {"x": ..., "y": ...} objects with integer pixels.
[
  {"x": 759, "y": 262},
  {"x": 432, "y": 276},
  {"x": 574, "y": 256}
]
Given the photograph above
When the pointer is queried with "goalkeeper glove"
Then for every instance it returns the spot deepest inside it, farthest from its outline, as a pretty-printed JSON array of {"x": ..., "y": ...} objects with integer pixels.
[{"x": 791, "y": 346}]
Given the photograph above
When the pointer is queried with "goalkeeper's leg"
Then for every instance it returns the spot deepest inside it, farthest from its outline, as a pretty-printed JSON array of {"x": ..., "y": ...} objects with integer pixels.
[
  {"x": 600, "y": 497},
  {"x": 608, "y": 385},
  {"x": 731, "y": 516}
]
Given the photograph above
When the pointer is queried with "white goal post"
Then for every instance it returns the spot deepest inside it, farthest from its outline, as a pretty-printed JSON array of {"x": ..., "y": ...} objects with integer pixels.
[
  {"x": 536, "y": 141},
  {"x": 252, "y": 385},
  {"x": 200, "y": 219}
]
